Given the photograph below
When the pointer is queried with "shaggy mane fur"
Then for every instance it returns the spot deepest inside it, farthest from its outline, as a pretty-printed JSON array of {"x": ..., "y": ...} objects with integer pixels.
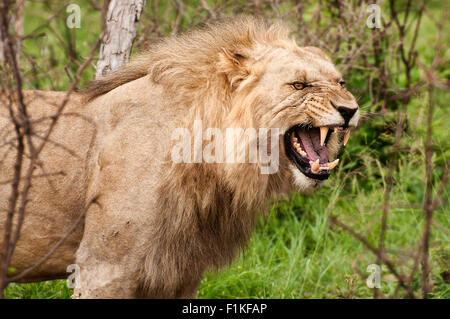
[
  {"x": 191, "y": 59},
  {"x": 213, "y": 212},
  {"x": 205, "y": 213}
]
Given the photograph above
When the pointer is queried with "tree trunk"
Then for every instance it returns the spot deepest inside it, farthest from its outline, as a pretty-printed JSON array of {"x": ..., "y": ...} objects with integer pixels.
[{"x": 119, "y": 34}]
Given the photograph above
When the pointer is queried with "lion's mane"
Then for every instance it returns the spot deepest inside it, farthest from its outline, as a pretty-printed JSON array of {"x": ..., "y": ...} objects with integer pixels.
[{"x": 211, "y": 211}]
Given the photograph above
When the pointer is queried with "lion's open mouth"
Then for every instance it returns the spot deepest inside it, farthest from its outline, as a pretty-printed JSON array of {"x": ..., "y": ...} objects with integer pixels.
[{"x": 307, "y": 148}]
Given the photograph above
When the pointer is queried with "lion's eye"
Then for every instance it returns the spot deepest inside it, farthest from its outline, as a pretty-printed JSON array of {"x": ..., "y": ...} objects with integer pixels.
[{"x": 299, "y": 85}]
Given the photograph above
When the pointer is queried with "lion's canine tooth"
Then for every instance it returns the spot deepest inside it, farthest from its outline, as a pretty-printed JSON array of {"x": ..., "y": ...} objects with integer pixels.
[
  {"x": 346, "y": 136},
  {"x": 315, "y": 166},
  {"x": 323, "y": 134},
  {"x": 333, "y": 164}
]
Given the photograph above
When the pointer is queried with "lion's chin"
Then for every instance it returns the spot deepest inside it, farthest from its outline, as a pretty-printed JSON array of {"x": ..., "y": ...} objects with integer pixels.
[{"x": 303, "y": 183}]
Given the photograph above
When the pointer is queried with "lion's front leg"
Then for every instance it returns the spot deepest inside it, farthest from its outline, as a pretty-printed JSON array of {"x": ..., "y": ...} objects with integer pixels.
[
  {"x": 108, "y": 257},
  {"x": 112, "y": 254},
  {"x": 105, "y": 280}
]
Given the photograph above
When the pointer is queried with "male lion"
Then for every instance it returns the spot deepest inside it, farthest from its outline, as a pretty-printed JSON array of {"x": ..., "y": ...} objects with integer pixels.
[{"x": 159, "y": 224}]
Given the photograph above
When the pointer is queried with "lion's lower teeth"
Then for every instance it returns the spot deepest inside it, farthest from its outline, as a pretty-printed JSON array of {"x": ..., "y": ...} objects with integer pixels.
[
  {"x": 333, "y": 164},
  {"x": 315, "y": 166}
]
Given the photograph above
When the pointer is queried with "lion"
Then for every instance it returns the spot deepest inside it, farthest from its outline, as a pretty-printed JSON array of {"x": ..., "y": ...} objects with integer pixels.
[{"x": 158, "y": 224}]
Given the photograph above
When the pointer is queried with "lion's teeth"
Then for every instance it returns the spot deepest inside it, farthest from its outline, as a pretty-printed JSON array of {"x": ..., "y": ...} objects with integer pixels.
[
  {"x": 346, "y": 136},
  {"x": 323, "y": 134},
  {"x": 333, "y": 164},
  {"x": 315, "y": 166},
  {"x": 299, "y": 149}
]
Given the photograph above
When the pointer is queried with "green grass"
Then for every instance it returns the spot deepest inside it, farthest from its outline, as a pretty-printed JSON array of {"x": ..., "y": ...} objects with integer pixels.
[
  {"x": 56, "y": 289},
  {"x": 294, "y": 253}
]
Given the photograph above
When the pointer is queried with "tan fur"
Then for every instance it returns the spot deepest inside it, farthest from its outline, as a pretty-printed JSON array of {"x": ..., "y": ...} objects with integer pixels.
[{"x": 159, "y": 225}]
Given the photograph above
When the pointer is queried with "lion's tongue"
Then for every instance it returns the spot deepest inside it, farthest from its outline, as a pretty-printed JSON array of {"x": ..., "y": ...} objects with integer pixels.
[{"x": 310, "y": 140}]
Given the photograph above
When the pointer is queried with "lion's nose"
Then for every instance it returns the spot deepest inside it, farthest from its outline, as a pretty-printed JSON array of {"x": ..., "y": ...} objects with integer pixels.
[{"x": 347, "y": 113}]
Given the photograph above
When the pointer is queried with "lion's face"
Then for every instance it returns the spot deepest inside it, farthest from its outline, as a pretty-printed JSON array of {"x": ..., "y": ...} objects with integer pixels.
[{"x": 303, "y": 94}]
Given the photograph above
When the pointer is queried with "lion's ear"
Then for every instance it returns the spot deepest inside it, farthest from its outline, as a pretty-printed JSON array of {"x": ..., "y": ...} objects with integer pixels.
[{"x": 232, "y": 64}]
